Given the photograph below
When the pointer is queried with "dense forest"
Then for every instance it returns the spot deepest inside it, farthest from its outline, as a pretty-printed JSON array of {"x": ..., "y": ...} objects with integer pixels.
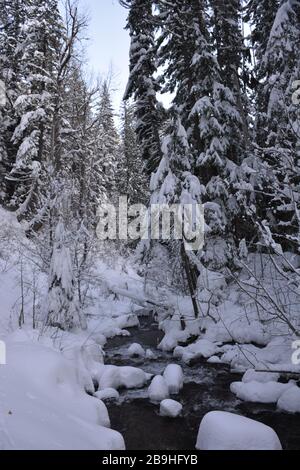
[{"x": 228, "y": 143}]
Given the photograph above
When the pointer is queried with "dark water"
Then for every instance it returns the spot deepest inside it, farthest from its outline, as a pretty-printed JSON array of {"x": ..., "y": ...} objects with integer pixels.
[{"x": 207, "y": 388}]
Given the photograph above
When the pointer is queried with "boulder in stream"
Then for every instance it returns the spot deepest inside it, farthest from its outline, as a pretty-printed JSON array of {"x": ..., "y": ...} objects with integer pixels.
[
  {"x": 220, "y": 430},
  {"x": 173, "y": 375},
  {"x": 170, "y": 408},
  {"x": 158, "y": 390}
]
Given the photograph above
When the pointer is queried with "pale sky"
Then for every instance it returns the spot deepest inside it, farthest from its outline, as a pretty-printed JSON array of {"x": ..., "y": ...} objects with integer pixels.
[{"x": 109, "y": 43}]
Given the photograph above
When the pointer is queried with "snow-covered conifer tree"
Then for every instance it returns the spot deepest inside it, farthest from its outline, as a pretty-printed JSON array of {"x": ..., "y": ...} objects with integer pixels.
[
  {"x": 40, "y": 51},
  {"x": 107, "y": 143},
  {"x": 62, "y": 306},
  {"x": 132, "y": 181},
  {"x": 278, "y": 134},
  {"x": 142, "y": 85}
]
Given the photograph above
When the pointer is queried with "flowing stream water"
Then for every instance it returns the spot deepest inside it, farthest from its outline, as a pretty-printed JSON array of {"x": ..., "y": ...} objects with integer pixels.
[{"x": 206, "y": 388}]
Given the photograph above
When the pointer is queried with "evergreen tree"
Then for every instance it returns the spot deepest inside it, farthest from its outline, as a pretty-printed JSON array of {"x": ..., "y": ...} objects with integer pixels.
[
  {"x": 12, "y": 19},
  {"x": 261, "y": 15},
  {"x": 278, "y": 136},
  {"x": 107, "y": 143},
  {"x": 174, "y": 183},
  {"x": 132, "y": 181},
  {"x": 34, "y": 105},
  {"x": 208, "y": 99},
  {"x": 232, "y": 58},
  {"x": 142, "y": 85},
  {"x": 63, "y": 311}
]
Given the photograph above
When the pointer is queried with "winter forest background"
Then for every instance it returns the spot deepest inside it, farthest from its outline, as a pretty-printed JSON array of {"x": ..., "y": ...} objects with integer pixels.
[{"x": 230, "y": 141}]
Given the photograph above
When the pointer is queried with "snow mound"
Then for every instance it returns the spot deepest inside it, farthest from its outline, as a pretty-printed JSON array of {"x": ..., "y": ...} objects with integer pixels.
[
  {"x": 150, "y": 355},
  {"x": 136, "y": 350},
  {"x": 290, "y": 401},
  {"x": 214, "y": 360},
  {"x": 202, "y": 348},
  {"x": 258, "y": 392},
  {"x": 122, "y": 377},
  {"x": 173, "y": 376},
  {"x": 107, "y": 394},
  {"x": 158, "y": 390},
  {"x": 220, "y": 430},
  {"x": 170, "y": 408},
  {"x": 41, "y": 387},
  {"x": 252, "y": 375}
]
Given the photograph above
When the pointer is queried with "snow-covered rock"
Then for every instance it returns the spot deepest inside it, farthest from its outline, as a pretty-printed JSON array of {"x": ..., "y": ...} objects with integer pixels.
[
  {"x": 158, "y": 389},
  {"x": 290, "y": 401},
  {"x": 136, "y": 350},
  {"x": 150, "y": 355},
  {"x": 170, "y": 408},
  {"x": 122, "y": 377},
  {"x": 252, "y": 375},
  {"x": 202, "y": 348},
  {"x": 107, "y": 394},
  {"x": 99, "y": 338},
  {"x": 220, "y": 430},
  {"x": 258, "y": 392},
  {"x": 173, "y": 376},
  {"x": 214, "y": 360}
]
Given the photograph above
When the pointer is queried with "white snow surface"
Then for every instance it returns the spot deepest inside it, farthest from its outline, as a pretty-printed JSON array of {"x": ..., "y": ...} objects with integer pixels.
[
  {"x": 122, "y": 377},
  {"x": 201, "y": 348},
  {"x": 107, "y": 394},
  {"x": 170, "y": 408},
  {"x": 220, "y": 430},
  {"x": 290, "y": 401},
  {"x": 251, "y": 375},
  {"x": 158, "y": 389},
  {"x": 40, "y": 388},
  {"x": 150, "y": 355},
  {"x": 136, "y": 350},
  {"x": 257, "y": 392}
]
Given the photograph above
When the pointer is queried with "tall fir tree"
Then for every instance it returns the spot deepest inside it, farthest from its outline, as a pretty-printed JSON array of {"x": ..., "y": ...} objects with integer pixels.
[
  {"x": 278, "y": 134},
  {"x": 40, "y": 51},
  {"x": 142, "y": 85},
  {"x": 62, "y": 306},
  {"x": 132, "y": 181},
  {"x": 13, "y": 14},
  {"x": 175, "y": 184},
  {"x": 107, "y": 143},
  {"x": 208, "y": 99}
]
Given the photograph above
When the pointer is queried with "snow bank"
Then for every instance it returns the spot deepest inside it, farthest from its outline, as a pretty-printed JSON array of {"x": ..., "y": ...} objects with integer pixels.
[
  {"x": 158, "y": 390},
  {"x": 258, "y": 392},
  {"x": 290, "y": 400},
  {"x": 275, "y": 356},
  {"x": 173, "y": 376},
  {"x": 226, "y": 431},
  {"x": 202, "y": 348},
  {"x": 122, "y": 377},
  {"x": 39, "y": 386},
  {"x": 136, "y": 350},
  {"x": 170, "y": 408},
  {"x": 112, "y": 325}
]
